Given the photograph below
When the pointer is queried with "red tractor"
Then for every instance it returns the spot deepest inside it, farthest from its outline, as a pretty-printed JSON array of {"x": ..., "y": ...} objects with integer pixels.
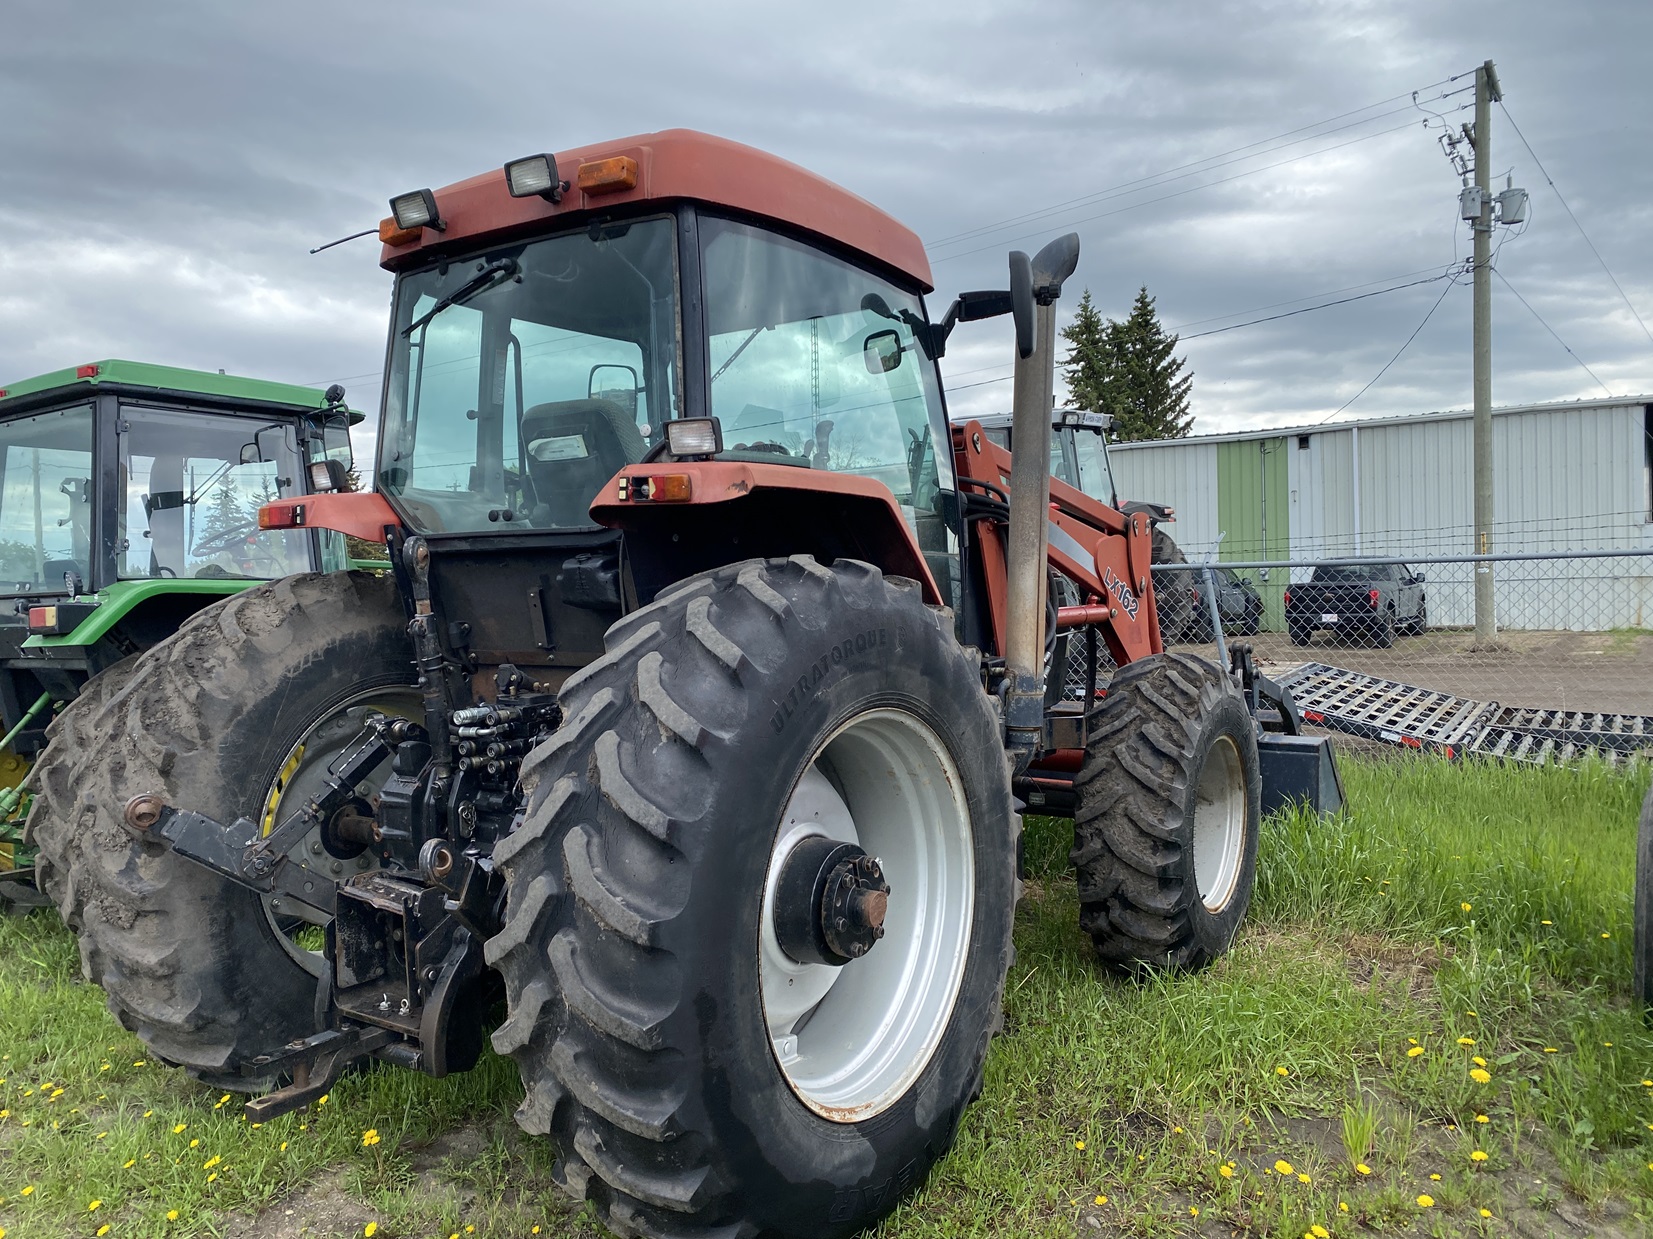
[{"x": 690, "y": 721}]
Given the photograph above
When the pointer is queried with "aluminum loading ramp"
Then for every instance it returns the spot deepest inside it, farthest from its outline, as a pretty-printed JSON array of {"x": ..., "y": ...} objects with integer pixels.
[{"x": 1419, "y": 718}]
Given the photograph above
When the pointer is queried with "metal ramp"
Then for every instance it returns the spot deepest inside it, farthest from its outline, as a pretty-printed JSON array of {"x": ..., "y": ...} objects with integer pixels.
[
  {"x": 1379, "y": 709},
  {"x": 1420, "y": 718},
  {"x": 1541, "y": 737}
]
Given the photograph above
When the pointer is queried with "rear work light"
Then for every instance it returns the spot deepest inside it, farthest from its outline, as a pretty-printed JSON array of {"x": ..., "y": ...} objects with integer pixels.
[
  {"x": 534, "y": 176},
  {"x": 694, "y": 436},
  {"x": 60, "y": 618},
  {"x": 657, "y": 488},
  {"x": 1372, "y": 597},
  {"x": 417, "y": 209}
]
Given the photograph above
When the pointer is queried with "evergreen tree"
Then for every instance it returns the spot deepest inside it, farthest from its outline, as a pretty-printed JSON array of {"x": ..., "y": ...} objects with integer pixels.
[
  {"x": 1127, "y": 368},
  {"x": 224, "y": 512}
]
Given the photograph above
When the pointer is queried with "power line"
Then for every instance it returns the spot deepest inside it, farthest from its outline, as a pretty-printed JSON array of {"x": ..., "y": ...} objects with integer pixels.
[
  {"x": 1552, "y": 331},
  {"x": 1550, "y": 181},
  {"x": 1330, "y": 292},
  {"x": 1323, "y": 306},
  {"x": 1179, "y": 193},
  {"x": 1395, "y": 358},
  {"x": 1011, "y": 221}
]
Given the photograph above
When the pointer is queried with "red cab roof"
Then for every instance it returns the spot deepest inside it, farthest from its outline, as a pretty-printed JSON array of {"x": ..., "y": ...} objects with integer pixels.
[{"x": 671, "y": 165}]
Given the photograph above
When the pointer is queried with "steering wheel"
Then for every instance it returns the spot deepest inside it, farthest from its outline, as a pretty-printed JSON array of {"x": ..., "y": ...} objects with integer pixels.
[{"x": 237, "y": 539}]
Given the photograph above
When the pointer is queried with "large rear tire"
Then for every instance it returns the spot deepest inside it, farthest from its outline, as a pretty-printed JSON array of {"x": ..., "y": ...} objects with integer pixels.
[
  {"x": 1165, "y": 826},
  {"x": 695, "y": 1076},
  {"x": 231, "y": 713}
]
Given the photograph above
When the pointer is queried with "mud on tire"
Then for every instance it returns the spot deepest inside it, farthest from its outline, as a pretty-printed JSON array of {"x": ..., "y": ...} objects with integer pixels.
[
  {"x": 190, "y": 962},
  {"x": 631, "y": 946},
  {"x": 1165, "y": 827}
]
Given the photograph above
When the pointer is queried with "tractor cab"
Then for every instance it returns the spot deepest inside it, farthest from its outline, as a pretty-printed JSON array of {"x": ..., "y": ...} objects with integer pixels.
[
  {"x": 129, "y": 498},
  {"x": 1078, "y": 449}
]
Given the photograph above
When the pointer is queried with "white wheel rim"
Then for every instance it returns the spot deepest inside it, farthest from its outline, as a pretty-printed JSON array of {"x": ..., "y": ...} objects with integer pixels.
[
  {"x": 851, "y": 1040},
  {"x": 299, "y": 777},
  {"x": 1219, "y": 824}
]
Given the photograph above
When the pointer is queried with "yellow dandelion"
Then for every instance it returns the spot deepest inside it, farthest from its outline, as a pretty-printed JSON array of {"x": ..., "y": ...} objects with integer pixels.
[
  {"x": 1608, "y": 1044},
  {"x": 1100, "y": 1200},
  {"x": 172, "y": 1215},
  {"x": 1226, "y": 1171},
  {"x": 1550, "y": 1049},
  {"x": 148, "y": 1113},
  {"x": 211, "y": 1162},
  {"x": 1177, "y": 1131},
  {"x": 195, "y": 1143},
  {"x": 5, "y": 1114},
  {"x": 283, "y": 1146},
  {"x": 1078, "y": 1144},
  {"x": 100, "y": 1135},
  {"x": 1546, "y": 922},
  {"x": 1481, "y": 1118},
  {"x": 1414, "y": 1051},
  {"x": 1466, "y": 906},
  {"x": 212, "y": 1176},
  {"x": 371, "y": 1136},
  {"x": 1363, "y": 1168},
  {"x": 322, "y": 1100},
  {"x": 1480, "y": 1155},
  {"x": 1435, "y": 1177},
  {"x": 180, "y": 1127},
  {"x": 1606, "y": 935},
  {"x": 1342, "y": 1206},
  {"x": 371, "y": 1229},
  {"x": 1466, "y": 1040},
  {"x": 1486, "y": 1212},
  {"x": 1472, "y": 1015},
  {"x": 1283, "y": 1167},
  {"x": 1426, "y": 1201},
  {"x": 131, "y": 1162},
  {"x": 1302, "y": 1178},
  {"x": 1282, "y": 1071},
  {"x": 103, "y": 1230},
  {"x": 1478, "y": 1061},
  {"x": 1320, "y": 1232},
  {"x": 105, "y": 1067},
  {"x": 94, "y": 1206},
  {"x": 222, "y": 1101},
  {"x": 27, "y": 1191},
  {"x": 140, "y": 1062},
  {"x": 1480, "y": 1075}
]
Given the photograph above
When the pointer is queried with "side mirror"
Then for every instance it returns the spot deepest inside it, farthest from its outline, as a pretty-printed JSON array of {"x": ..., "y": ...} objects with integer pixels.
[
  {"x": 614, "y": 383},
  {"x": 250, "y": 454},
  {"x": 1052, "y": 265},
  {"x": 1021, "y": 302},
  {"x": 882, "y": 352},
  {"x": 335, "y": 442},
  {"x": 1417, "y": 578}
]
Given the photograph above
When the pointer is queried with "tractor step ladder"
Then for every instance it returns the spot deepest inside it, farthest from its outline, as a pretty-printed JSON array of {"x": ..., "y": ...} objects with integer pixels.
[{"x": 1378, "y": 709}]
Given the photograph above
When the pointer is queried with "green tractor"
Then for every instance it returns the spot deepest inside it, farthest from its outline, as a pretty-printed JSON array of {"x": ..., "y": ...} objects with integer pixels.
[{"x": 129, "y": 498}]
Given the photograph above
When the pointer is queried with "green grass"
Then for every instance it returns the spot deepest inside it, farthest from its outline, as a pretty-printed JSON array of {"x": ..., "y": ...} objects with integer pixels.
[{"x": 1135, "y": 1094}]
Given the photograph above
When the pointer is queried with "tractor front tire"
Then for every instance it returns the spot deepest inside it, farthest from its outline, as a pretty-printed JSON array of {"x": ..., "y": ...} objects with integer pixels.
[
  {"x": 211, "y": 720},
  {"x": 696, "y": 1074},
  {"x": 1169, "y": 799}
]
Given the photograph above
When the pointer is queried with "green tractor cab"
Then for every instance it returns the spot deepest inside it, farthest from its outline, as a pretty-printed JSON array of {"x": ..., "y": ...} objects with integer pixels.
[{"x": 129, "y": 498}]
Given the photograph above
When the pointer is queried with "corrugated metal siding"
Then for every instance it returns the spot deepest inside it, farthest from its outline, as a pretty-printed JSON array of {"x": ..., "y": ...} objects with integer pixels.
[
  {"x": 1565, "y": 478},
  {"x": 1183, "y": 475}
]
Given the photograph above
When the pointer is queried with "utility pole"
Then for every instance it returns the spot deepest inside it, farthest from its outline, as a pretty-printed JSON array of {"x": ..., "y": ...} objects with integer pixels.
[{"x": 1486, "y": 93}]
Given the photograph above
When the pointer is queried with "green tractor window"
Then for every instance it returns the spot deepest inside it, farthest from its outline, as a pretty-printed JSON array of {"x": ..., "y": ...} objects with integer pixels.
[
  {"x": 192, "y": 486},
  {"x": 45, "y": 500}
]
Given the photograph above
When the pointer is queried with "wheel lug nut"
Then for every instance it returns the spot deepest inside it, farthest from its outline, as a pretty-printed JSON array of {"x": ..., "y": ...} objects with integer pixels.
[
  {"x": 336, "y": 867},
  {"x": 315, "y": 846}
]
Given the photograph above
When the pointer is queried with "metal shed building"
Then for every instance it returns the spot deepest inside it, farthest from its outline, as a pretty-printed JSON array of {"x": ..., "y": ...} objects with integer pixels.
[{"x": 1566, "y": 476}]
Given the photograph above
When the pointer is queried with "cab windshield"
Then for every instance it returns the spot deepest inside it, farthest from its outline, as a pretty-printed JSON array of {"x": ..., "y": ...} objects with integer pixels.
[{"x": 523, "y": 380}]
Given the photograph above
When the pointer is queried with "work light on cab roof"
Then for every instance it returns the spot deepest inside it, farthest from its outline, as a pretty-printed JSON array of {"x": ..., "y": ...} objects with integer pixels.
[
  {"x": 417, "y": 209},
  {"x": 535, "y": 176}
]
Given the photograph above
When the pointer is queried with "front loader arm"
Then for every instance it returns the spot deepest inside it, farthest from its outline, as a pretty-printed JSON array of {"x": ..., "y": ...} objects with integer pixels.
[{"x": 1106, "y": 554}]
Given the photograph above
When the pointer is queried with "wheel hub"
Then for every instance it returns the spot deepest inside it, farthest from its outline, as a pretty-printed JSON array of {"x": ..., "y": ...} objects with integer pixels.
[{"x": 830, "y": 902}]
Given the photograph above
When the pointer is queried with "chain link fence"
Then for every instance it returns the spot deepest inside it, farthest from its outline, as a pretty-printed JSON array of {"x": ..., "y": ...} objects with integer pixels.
[{"x": 1385, "y": 647}]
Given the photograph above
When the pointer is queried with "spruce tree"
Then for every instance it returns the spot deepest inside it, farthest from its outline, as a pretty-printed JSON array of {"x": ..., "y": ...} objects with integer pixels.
[
  {"x": 1127, "y": 368},
  {"x": 1147, "y": 392}
]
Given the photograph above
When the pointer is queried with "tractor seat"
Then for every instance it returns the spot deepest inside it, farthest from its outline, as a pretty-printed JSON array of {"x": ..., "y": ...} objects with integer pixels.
[{"x": 570, "y": 448}]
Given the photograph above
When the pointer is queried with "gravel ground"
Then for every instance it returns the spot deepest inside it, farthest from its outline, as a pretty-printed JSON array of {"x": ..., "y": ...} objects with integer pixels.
[{"x": 1609, "y": 672}]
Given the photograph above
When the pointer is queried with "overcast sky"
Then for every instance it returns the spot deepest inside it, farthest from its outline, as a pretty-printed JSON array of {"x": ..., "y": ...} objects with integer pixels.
[{"x": 165, "y": 167}]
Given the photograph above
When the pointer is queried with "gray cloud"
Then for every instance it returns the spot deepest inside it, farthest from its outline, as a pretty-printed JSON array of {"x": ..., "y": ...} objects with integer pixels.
[{"x": 166, "y": 168}]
